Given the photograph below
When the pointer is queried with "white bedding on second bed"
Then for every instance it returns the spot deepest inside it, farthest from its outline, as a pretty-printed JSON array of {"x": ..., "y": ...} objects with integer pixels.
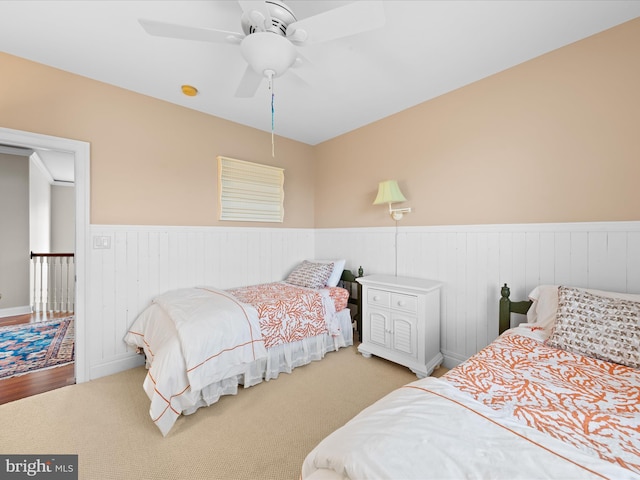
[
  {"x": 518, "y": 409},
  {"x": 431, "y": 430}
]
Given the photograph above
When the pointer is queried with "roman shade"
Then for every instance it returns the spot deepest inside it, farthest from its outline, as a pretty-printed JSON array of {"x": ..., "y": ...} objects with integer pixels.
[{"x": 250, "y": 192}]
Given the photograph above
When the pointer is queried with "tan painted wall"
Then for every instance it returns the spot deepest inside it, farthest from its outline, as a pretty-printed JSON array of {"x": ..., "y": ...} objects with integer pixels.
[
  {"x": 555, "y": 139},
  {"x": 152, "y": 162},
  {"x": 564, "y": 126}
]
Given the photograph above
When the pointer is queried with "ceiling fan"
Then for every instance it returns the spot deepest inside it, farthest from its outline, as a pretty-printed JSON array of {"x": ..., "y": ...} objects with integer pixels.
[{"x": 272, "y": 32}]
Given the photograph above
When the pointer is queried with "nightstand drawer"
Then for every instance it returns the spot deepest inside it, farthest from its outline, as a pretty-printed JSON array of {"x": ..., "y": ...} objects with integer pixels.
[
  {"x": 406, "y": 303},
  {"x": 379, "y": 298}
]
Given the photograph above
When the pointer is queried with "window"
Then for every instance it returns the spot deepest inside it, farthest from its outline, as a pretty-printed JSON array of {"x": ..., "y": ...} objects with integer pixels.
[{"x": 250, "y": 192}]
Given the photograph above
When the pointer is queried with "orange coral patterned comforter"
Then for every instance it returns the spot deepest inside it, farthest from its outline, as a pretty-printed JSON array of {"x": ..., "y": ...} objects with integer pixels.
[
  {"x": 288, "y": 313},
  {"x": 591, "y": 404},
  {"x": 516, "y": 410}
]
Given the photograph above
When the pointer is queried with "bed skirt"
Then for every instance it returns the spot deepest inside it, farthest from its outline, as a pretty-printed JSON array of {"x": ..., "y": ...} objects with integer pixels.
[{"x": 280, "y": 359}]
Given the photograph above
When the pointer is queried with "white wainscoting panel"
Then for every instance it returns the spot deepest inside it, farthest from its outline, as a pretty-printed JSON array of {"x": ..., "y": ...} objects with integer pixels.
[
  {"x": 474, "y": 261},
  {"x": 142, "y": 262}
]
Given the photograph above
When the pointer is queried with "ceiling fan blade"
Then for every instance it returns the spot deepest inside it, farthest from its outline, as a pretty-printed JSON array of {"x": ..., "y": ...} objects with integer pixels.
[
  {"x": 249, "y": 83},
  {"x": 300, "y": 80},
  {"x": 258, "y": 12},
  {"x": 303, "y": 69},
  {"x": 172, "y": 30},
  {"x": 351, "y": 19},
  {"x": 308, "y": 75}
]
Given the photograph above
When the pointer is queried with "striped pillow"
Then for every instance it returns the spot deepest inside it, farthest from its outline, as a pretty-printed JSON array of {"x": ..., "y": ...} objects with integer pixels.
[
  {"x": 310, "y": 275},
  {"x": 595, "y": 326}
]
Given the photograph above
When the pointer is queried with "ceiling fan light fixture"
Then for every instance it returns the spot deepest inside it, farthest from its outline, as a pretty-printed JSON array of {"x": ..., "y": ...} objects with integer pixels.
[
  {"x": 271, "y": 34},
  {"x": 266, "y": 51}
]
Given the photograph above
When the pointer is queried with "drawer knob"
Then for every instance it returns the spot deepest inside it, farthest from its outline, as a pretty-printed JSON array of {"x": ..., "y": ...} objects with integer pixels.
[
  {"x": 401, "y": 303},
  {"x": 376, "y": 298}
]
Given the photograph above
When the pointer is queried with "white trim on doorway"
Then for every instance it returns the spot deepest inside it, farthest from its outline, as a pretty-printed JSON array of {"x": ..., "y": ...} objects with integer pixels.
[{"x": 81, "y": 153}]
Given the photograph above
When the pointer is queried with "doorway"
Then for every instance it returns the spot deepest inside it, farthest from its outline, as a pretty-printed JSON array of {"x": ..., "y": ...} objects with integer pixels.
[{"x": 81, "y": 154}]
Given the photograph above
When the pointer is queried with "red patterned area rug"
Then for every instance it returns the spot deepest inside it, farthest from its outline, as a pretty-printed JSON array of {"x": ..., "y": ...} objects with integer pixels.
[{"x": 35, "y": 346}]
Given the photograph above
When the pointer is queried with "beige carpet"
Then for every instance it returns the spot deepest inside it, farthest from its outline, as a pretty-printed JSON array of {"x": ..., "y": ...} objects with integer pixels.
[{"x": 264, "y": 432}]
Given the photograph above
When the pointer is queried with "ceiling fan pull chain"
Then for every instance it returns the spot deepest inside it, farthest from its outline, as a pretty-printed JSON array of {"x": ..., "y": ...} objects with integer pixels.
[{"x": 273, "y": 149}]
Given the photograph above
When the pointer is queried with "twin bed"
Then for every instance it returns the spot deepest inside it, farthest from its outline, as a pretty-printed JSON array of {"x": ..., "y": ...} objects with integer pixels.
[
  {"x": 201, "y": 343},
  {"x": 556, "y": 397}
]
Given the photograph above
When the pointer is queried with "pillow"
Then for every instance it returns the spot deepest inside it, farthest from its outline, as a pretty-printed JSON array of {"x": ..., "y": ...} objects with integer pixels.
[
  {"x": 545, "y": 304},
  {"x": 544, "y": 307},
  {"x": 597, "y": 326},
  {"x": 338, "y": 268},
  {"x": 310, "y": 275}
]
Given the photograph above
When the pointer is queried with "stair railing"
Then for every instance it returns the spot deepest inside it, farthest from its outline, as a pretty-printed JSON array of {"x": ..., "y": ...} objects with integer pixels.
[{"x": 53, "y": 282}]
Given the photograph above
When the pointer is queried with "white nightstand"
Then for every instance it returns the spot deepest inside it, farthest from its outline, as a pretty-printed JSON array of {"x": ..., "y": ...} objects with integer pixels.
[{"x": 401, "y": 321}]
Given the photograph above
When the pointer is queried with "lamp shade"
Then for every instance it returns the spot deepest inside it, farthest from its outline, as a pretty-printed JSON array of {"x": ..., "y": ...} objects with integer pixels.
[{"x": 389, "y": 192}]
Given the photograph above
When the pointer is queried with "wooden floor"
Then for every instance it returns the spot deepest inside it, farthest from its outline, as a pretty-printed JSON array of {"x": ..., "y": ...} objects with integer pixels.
[{"x": 22, "y": 386}]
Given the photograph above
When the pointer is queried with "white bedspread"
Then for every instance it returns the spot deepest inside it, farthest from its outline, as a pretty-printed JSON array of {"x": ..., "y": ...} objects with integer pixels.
[
  {"x": 431, "y": 430},
  {"x": 194, "y": 337},
  {"x": 216, "y": 332}
]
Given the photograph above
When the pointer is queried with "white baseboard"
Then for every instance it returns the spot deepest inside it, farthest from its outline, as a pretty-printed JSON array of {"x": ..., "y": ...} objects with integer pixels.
[
  {"x": 10, "y": 312},
  {"x": 116, "y": 366},
  {"x": 451, "y": 360}
]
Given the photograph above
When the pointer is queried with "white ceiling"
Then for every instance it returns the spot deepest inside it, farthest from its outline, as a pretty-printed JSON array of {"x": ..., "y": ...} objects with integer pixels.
[
  {"x": 425, "y": 49},
  {"x": 59, "y": 165}
]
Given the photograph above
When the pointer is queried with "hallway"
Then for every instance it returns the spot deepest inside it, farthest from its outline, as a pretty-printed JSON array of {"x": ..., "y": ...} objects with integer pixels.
[{"x": 41, "y": 381}]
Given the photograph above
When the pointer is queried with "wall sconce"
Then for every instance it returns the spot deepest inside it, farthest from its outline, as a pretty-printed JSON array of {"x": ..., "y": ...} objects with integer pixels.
[{"x": 389, "y": 192}]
